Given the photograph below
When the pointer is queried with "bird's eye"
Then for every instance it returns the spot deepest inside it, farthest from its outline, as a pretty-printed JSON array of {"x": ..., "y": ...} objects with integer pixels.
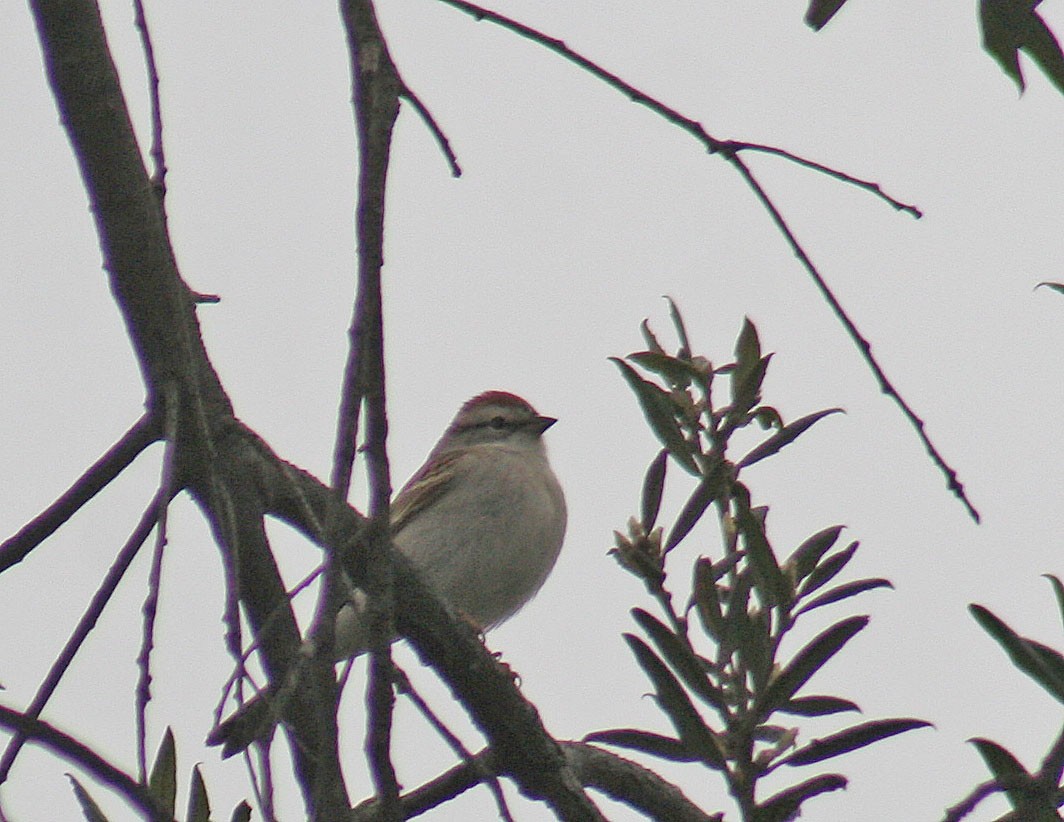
[{"x": 498, "y": 422}]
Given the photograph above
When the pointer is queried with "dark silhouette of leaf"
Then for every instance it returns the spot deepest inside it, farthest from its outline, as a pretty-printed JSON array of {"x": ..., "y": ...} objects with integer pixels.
[
  {"x": 820, "y": 12},
  {"x": 807, "y": 662},
  {"x": 844, "y": 591},
  {"x": 681, "y": 658},
  {"x": 706, "y": 598},
  {"x": 775, "y": 585},
  {"x": 1058, "y": 592},
  {"x": 818, "y": 706},
  {"x": 827, "y": 570},
  {"x": 677, "y": 372},
  {"x": 784, "y": 806},
  {"x": 785, "y": 436},
  {"x": 650, "y": 338},
  {"x": 681, "y": 330},
  {"x": 653, "y": 486},
  {"x": 1059, "y": 287},
  {"x": 163, "y": 779},
  {"x": 199, "y": 804},
  {"x": 673, "y": 700},
  {"x": 1020, "y": 651},
  {"x": 658, "y": 409},
  {"x": 1029, "y": 798},
  {"x": 1011, "y": 25},
  {"x": 709, "y": 489},
  {"x": 241, "y": 813},
  {"x": 808, "y": 554},
  {"x": 851, "y": 739},
  {"x": 665, "y": 747},
  {"x": 89, "y": 807}
]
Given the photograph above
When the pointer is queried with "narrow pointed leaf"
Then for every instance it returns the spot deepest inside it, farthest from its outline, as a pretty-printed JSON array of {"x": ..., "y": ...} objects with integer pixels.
[
  {"x": 785, "y": 436},
  {"x": 676, "y": 371},
  {"x": 827, "y": 570},
  {"x": 808, "y": 554},
  {"x": 747, "y": 346},
  {"x": 844, "y": 591},
  {"x": 650, "y": 338},
  {"x": 653, "y": 487},
  {"x": 163, "y": 779},
  {"x": 673, "y": 700},
  {"x": 1058, "y": 287},
  {"x": 820, "y": 12},
  {"x": 701, "y": 498},
  {"x": 818, "y": 706},
  {"x": 1028, "y": 798},
  {"x": 681, "y": 331},
  {"x": 681, "y": 658},
  {"x": 851, "y": 739},
  {"x": 746, "y": 386},
  {"x": 1021, "y": 653},
  {"x": 658, "y": 410},
  {"x": 808, "y": 661},
  {"x": 774, "y": 584},
  {"x": 785, "y": 805},
  {"x": 1042, "y": 47},
  {"x": 199, "y": 804},
  {"x": 88, "y": 805},
  {"x": 665, "y": 747},
  {"x": 1000, "y": 37},
  {"x": 1058, "y": 591},
  {"x": 706, "y": 598},
  {"x": 241, "y": 813}
]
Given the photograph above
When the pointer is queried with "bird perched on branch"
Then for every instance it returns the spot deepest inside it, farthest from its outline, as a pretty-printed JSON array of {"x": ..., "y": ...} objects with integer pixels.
[{"x": 482, "y": 521}]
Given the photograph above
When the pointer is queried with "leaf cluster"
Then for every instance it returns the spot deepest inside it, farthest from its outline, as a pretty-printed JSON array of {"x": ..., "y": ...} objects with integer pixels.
[{"x": 728, "y": 706}]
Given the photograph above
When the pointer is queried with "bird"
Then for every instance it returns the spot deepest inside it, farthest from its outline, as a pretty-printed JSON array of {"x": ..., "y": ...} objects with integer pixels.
[{"x": 482, "y": 522}]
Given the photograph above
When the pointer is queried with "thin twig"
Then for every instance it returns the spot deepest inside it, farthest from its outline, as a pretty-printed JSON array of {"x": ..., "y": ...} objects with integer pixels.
[
  {"x": 151, "y": 602},
  {"x": 454, "y": 743},
  {"x": 863, "y": 346},
  {"x": 84, "y": 627},
  {"x": 729, "y": 150},
  {"x": 867, "y": 185},
  {"x": 158, "y": 154},
  {"x": 27, "y": 727},
  {"x": 117, "y": 458},
  {"x": 434, "y": 128}
]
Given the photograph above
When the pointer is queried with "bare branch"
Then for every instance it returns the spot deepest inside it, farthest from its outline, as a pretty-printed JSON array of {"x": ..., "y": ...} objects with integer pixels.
[
  {"x": 84, "y": 757},
  {"x": 84, "y": 627},
  {"x": 117, "y": 458},
  {"x": 158, "y": 155},
  {"x": 441, "y": 139}
]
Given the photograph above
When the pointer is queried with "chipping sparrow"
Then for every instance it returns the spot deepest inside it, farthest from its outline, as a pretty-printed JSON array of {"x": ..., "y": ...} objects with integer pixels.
[{"x": 482, "y": 521}]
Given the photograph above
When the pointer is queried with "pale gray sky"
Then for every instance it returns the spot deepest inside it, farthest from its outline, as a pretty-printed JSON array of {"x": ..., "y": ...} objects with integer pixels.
[{"x": 577, "y": 211}]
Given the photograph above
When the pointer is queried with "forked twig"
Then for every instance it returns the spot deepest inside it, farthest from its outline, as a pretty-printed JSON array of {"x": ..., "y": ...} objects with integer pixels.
[{"x": 729, "y": 149}]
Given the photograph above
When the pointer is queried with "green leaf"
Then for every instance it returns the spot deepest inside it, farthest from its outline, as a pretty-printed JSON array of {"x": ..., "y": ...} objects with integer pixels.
[
  {"x": 710, "y": 489},
  {"x": 851, "y": 739},
  {"x": 650, "y": 339},
  {"x": 1020, "y": 651},
  {"x": 681, "y": 657},
  {"x": 785, "y": 436},
  {"x": 754, "y": 644},
  {"x": 241, "y": 813},
  {"x": 681, "y": 331},
  {"x": 706, "y": 598},
  {"x": 1011, "y": 25},
  {"x": 163, "y": 779},
  {"x": 1027, "y": 796},
  {"x": 820, "y": 12},
  {"x": 827, "y": 570},
  {"x": 653, "y": 487},
  {"x": 750, "y": 368},
  {"x": 1058, "y": 287},
  {"x": 88, "y": 804},
  {"x": 807, "y": 662},
  {"x": 1058, "y": 591},
  {"x": 844, "y": 591},
  {"x": 673, "y": 700},
  {"x": 818, "y": 706},
  {"x": 665, "y": 747},
  {"x": 677, "y": 372},
  {"x": 808, "y": 554},
  {"x": 659, "y": 412},
  {"x": 747, "y": 347},
  {"x": 774, "y": 586},
  {"x": 785, "y": 805},
  {"x": 199, "y": 804}
]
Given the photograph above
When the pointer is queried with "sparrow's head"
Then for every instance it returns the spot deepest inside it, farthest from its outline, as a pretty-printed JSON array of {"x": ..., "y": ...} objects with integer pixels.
[{"x": 496, "y": 416}]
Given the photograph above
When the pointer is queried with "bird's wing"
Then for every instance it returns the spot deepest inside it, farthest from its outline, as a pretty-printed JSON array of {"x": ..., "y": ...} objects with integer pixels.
[{"x": 423, "y": 489}]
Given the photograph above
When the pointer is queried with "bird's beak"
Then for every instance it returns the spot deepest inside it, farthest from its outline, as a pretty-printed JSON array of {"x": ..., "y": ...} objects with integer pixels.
[{"x": 541, "y": 424}]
